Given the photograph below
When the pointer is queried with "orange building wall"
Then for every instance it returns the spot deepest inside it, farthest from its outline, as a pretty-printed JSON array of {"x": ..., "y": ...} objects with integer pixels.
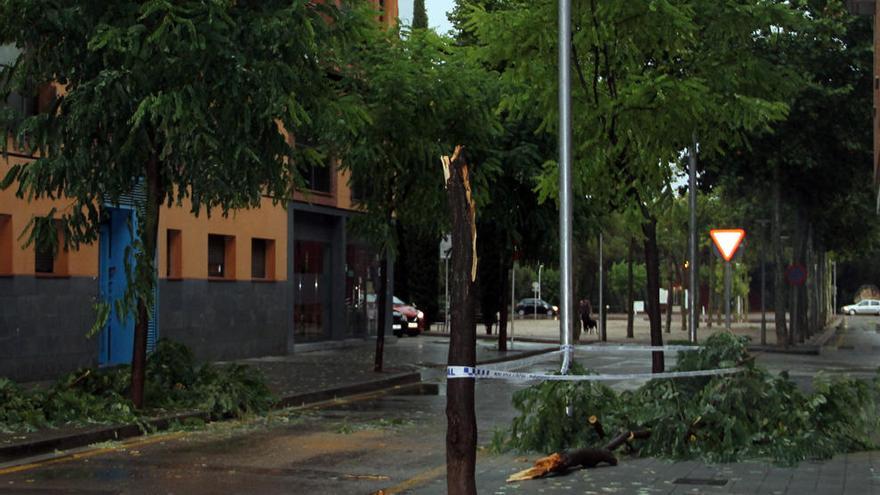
[
  {"x": 82, "y": 262},
  {"x": 267, "y": 222}
]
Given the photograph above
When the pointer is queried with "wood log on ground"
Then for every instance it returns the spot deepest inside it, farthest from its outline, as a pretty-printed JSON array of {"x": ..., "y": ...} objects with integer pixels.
[
  {"x": 626, "y": 437},
  {"x": 561, "y": 462},
  {"x": 594, "y": 422}
]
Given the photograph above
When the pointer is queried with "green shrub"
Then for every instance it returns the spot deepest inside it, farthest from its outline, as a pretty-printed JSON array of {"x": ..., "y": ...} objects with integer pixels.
[
  {"x": 173, "y": 382},
  {"x": 232, "y": 390},
  {"x": 750, "y": 414}
]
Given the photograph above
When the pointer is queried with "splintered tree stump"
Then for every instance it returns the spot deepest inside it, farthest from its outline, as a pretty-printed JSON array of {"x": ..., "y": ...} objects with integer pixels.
[
  {"x": 560, "y": 462},
  {"x": 461, "y": 431}
]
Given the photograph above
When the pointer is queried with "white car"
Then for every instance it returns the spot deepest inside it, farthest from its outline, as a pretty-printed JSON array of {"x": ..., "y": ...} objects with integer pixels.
[{"x": 863, "y": 307}]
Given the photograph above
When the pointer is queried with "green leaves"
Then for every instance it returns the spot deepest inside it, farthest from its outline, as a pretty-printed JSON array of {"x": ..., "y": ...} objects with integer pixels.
[
  {"x": 422, "y": 96},
  {"x": 174, "y": 383},
  {"x": 750, "y": 414}
]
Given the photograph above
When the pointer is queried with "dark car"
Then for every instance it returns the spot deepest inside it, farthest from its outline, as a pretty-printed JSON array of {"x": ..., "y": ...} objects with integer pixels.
[
  {"x": 530, "y": 306},
  {"x": 414, "y": 319},
  {"x": 406, "y": 317}
]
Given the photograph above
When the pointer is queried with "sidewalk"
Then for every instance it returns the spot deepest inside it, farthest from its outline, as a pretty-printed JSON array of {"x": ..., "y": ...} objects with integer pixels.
[
  {"x": 297, "y": 379},
  {"x": 547, "y": 331},
  {"x": 844, "y": 474}
]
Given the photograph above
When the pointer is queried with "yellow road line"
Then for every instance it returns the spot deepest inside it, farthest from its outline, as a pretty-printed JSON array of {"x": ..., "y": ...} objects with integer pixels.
[
  {"x": 416, "y": 481},
  {"x": 422, "y": 478},
  {"x": 73, "y": 456}
]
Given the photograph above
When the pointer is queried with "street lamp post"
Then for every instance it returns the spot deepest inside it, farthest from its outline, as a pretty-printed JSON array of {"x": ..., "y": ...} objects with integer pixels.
[
  {"x": 602, "y": 333},
  {"x": 565, "y": 206},
  {"x": 693, "y": 283},
  {"x": 538, "y": 290}
]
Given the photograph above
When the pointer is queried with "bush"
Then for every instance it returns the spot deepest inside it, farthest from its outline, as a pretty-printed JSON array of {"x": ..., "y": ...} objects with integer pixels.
[
  {"x": 750, "y": 414},
  {"x": 173, "y": 382}
]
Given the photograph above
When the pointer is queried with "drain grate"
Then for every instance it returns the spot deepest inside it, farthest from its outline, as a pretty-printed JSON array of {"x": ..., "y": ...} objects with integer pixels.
[
  {"x": 847, "y": 347},
  {"x": 701, "y": 481}
]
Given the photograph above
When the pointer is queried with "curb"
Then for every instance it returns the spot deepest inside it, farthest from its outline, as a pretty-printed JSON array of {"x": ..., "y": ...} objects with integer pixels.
[
  {"x": 307, "y": 398},
  {"x": 27, "y": 448}
]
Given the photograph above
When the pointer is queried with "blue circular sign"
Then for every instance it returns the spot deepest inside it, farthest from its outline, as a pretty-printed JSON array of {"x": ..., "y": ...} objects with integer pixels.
[{"x": 796, "y": 274}]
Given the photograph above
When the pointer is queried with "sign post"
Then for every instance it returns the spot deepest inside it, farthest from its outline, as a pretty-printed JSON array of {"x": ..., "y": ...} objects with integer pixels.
[{"x": 727, "y": 241}]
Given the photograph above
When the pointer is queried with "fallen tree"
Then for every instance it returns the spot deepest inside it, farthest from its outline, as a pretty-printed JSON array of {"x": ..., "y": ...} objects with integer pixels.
[
  {"x": 561, "y": 462},
  {"x": 750, "y": 414}
]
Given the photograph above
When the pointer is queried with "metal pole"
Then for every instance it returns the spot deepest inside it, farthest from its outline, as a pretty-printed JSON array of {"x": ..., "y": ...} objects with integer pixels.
[
  {"x": 693, "y": 284},
  {"x": 565, "y": 207},
  {"x": 539, "y": 280},
  {"x": 727, "y": 282},
  {"x": 601, "y": 314}
]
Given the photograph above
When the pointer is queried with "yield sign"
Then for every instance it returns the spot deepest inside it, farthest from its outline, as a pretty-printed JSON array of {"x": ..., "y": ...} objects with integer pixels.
[{"x": 727, "y": 241}]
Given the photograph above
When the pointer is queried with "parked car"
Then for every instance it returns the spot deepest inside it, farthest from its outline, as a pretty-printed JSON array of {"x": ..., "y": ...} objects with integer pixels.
[
  {"x": 863, "y": 307},
  {"x": 530, "y": 306},
  {"x": 415, "y": 319},
  {"x": 406, "y": 318}
]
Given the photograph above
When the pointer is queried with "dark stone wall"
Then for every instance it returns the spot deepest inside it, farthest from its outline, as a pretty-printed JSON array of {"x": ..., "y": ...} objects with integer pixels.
[
  {"x": 221, "y": 320},
  {"x": 43, "y": 326}
]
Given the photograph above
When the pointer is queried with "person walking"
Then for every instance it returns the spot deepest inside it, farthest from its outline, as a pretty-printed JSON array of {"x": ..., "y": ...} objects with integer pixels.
[{"x": 585, "y": 309}]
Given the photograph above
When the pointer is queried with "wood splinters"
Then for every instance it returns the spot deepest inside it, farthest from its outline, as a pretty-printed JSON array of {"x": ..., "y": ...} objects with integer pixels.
[{"x": 561, "y": 462}]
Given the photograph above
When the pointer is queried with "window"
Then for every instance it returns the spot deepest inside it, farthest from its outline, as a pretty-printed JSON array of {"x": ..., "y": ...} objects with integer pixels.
[
  {"x": 359, "y": 189},
  {"x": 24, "y": 105},
  {"x": 173, "y": 253},
  {"x": 51, "y": 260},
  {"x": 317, "y": 177},
  {"x": 263, "y": 259},
  {"x": 221, "y": 256},
  {"x": 5, "y": 244}
]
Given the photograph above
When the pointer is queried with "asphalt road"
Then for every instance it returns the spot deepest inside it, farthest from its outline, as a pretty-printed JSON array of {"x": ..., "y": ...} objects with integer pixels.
[{"x": 396, "y": 444}]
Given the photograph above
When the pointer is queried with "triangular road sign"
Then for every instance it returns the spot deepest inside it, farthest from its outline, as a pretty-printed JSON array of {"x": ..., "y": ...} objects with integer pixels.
[{"x": 727, "y": 241}]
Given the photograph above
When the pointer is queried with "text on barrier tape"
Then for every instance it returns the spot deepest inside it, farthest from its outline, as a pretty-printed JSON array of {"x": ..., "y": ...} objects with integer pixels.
[{"x": 483, "y": 373}]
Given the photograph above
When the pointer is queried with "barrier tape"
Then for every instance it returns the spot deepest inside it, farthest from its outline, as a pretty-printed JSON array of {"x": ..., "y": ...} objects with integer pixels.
[
  {"x": 483, "y": 373},
  {"x": 521, "y": 363},
  {"x": 637, "y": 348}
]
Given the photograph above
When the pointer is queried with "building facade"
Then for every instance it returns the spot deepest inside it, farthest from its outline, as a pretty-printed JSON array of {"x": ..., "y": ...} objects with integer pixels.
[{"x": 259, "y": 282}]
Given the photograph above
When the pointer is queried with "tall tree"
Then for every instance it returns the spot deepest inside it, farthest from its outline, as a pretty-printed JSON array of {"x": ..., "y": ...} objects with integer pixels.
[
  {"x": 826, "y": 159},
  {"x": 188, "y": 100},
  {"x": 420, "y": 15},
  {"x": 414, "y": 86},
  {"x": 646, "y": 77}
]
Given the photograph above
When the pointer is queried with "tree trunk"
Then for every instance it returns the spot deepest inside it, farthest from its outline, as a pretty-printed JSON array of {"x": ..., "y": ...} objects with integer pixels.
[
  {"x": 669, "y": 299},
  {"x": 146, "y": 277},
  {"x": 630, "y": 290},
  {"x": 505, "y": 304},
  {"x": 461, "y": 431},
  {"x": 652, "y": 266},
  {"x": 381, "y": 303},
  {"x": 778, "y": 274},
  {"x": 799, "y": 306},
  {"x": 710, "y": 294}
]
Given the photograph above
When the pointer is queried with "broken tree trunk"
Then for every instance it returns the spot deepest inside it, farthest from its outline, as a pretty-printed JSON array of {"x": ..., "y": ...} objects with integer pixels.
[
  {"x": 461, "y": 430},
  {"x": 561, "y": 462}
]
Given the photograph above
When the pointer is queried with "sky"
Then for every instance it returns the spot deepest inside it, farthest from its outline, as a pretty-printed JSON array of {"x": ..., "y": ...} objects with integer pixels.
[{"x": 436, "y": 13}]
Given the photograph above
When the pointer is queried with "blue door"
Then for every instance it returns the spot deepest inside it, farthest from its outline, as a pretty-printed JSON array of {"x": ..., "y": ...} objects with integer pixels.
[{"x": 117, "y": 338}]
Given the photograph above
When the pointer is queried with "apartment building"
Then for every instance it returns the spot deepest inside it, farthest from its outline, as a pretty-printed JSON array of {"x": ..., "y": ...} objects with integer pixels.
[{"x": 259, "y": 282}]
